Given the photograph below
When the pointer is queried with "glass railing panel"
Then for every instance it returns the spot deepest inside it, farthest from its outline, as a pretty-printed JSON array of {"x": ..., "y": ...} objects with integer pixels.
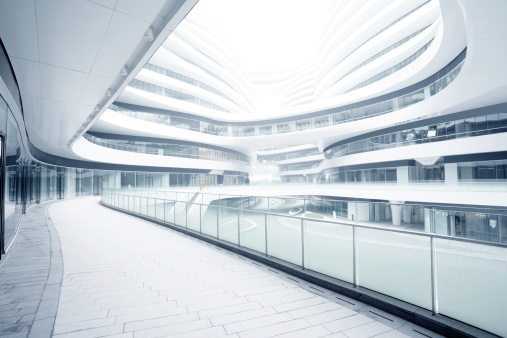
[
  {"x": 170, "y": 195},
  {"x": 231, "y": 201},
  {"x": 194, "y": 217},
  {"x": 253, "y": 231},
  {"x": 329, "y": 249},
  {"x": 159, "y": 209},
  {"x": 137, "y": 204},
  {"x": 169, "y": 211},
  {"x": 471, "y": 279},
  {"x": 151, "y": 207},
  {"x": 182, "y": 196},
  {"x": 209, "y": 220},
  {"x": 228, "y": 225},
  {"x": 254, "y": 203},
  {"x": 181, "y": 213},
  {"x": 144, "y": 206},
  {"x": 130, "y": 203},
  {"x": 286, "y": 206},
  {"x": 208, "y": 198},
  {"x": 285, "y": 238},
  {"x": 398, "y": 265}
]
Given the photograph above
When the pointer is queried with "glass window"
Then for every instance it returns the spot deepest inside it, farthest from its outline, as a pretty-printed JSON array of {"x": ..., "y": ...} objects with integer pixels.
[
  {"x": 486, "y": 170},
  {"x": 501, "y": 169},
  {"x": 480, "y": 125},
  {"x": 502, "y": 122},
  {"x": 391, "y": 175},
  {"x": 451, "y": 130},
  {"x": 441, "y": 132},
  {"x": 467, "y": 171},
  {"x": 492, "y": 123},
  {"x": 459, "y": 128},
  {"x": 470, "y": 126}
]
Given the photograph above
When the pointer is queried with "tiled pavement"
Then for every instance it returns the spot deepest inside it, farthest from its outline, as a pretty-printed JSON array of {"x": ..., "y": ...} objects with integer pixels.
[
  {"x": 126, "y": 277},
  {"x": 31, "y": 278}
]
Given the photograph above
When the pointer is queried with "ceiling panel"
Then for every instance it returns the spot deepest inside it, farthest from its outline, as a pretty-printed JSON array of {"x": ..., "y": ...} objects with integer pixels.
[
  {"x": 61, "y": 84},
  {"x": 19, "y": 14},
  {"x": 74, "y": 39},
  {"x": 94, "y": 90},
  {"x": 122, "y": 37},
  {"x": 107, "y": 3},
  {"x": 27, "y": 74},
  {"x": 53, "y": 127},
  {"x": 145, "y": 10}
]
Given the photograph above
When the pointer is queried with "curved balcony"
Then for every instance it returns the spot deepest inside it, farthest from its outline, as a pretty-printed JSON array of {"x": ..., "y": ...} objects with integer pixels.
[
  {"x": 348, "y": 113},
  {"x": 165, "y": 149}
]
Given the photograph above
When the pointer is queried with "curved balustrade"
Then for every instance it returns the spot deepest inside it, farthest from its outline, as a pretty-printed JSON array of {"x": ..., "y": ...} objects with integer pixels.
[
  {"x": 423, "y": 269},
  {"x": 164, "y": 149},
  {"x": 296, "y": 125}
]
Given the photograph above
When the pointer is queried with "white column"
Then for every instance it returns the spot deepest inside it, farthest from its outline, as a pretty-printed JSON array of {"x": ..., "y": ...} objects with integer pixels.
[
  {"x": 396, "y": 209},
  {"x": 451, "y": 173},
  {"x": 165, "y": 179},
  {"x": 402, "y": 175}
]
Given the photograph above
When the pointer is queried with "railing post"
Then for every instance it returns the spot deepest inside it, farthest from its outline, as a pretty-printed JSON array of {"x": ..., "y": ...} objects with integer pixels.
[
  {"x": 186, "y": 215},
  {"x": 266, "y": 231},
  {"x": 155, "y": 205},
  {"x": 174, "y": 212},
  {"x": 200, "y": 218},
  {"x": 434, "y": 298},
  {"x": 354, "y": 257},
  {"x": 302, "y": 243},
  {"x": 239, "y": 227}
]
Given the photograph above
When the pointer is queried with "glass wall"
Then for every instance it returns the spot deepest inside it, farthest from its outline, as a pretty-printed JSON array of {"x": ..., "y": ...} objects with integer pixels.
[
  {"x": 288, "y": 156},
  {"x": 450, "y": 130}
]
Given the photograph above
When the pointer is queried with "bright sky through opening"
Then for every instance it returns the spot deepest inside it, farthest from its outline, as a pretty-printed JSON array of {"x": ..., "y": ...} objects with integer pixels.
[{"x": 269, "y": 35}]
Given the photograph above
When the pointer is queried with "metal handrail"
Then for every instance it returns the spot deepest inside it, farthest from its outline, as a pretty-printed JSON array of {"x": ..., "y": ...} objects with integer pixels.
[
  {"x": 359, "y": 225},
  {"x": 439, "y": 207}
]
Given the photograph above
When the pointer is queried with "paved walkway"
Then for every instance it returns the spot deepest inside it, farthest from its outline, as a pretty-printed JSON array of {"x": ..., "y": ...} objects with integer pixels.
[
  {"x": 126, "y": 277},
  {"x": 31, "y": 278}
]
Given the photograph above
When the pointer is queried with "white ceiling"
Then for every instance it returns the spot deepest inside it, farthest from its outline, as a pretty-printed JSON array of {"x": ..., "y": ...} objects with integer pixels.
[{"x": 67, "y": 53}]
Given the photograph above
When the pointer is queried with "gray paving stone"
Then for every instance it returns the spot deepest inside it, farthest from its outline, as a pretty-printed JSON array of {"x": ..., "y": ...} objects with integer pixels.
[
  {"x": 241, "y": 316},
  {"x": 251, "y": 324},
  {"x": 347, "y": 323},
  {"x": 171, "y": 330},
  {"x": 367, "y": 330},
  {"x": 82, "y": 325},
  {"x": 103, "y": 331},
  {"x": 276, "y": 329},
  {"x": 309, "y": 332}
]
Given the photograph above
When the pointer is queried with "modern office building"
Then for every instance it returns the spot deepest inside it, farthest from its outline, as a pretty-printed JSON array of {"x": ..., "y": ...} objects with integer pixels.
[{"x": 398, "y": 121}]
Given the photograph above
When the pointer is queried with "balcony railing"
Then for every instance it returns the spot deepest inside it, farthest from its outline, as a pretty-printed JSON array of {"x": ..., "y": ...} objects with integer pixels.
[
  {"x": 461, "y": 278},
  {"x": 325, "y": 120},
  {"x": 176, "y": 150}
]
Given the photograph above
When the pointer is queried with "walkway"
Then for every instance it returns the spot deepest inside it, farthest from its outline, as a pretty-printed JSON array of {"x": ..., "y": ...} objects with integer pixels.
[{"x": 126, "y": 277}]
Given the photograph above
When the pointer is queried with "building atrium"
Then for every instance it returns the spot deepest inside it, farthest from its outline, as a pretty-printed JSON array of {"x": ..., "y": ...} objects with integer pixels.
[{"x": 241, "y": 168}]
